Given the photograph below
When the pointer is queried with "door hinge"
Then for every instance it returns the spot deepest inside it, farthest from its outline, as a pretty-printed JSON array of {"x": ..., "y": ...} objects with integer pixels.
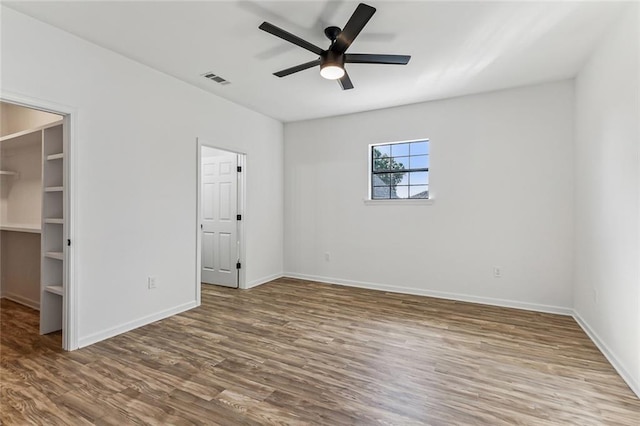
[
  {"x": 69, "y": 243},
  {"x": 239, "y": 169},
  {"x": 239, "y": 217},
  {"x": 238, "y": 265}
]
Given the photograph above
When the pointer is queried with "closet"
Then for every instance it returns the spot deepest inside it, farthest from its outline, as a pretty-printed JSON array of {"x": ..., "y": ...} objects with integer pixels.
[{"x": 32, "y": 212}]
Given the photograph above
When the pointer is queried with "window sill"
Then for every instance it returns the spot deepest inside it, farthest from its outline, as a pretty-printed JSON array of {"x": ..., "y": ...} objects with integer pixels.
[{"x": 401, "y": 202}]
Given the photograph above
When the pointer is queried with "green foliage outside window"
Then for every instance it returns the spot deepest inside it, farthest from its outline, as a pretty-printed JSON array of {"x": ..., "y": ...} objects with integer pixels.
[{"x": 384, "y": 162}]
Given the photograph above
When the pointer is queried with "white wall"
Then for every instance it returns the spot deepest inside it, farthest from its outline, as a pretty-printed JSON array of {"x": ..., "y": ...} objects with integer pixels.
[
  {"x": 501, "y": 178},
  {"x": 21, "y": 195},
  {"x": 20, "y": 274},
  {"x": 136, "y": 175},
  {"x": 607, "y": 209}
]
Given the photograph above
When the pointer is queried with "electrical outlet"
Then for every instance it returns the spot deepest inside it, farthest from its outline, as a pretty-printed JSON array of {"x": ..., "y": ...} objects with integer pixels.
[
  {"x": 327, "y": 257},
  {"x": 595, "y": 296},
  {"x": 497, "y": 272},
  {"x": 151, "y": 283}
]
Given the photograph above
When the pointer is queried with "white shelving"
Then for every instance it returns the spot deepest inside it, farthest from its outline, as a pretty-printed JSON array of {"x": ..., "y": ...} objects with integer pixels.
[
  {"x": 58, "y": 156},
  {"x": 52, "y": 274},
  {"x": 21, "y": 227},
  {"x": 32, "y": 167},
  {"x": 55, "y": 289},
  {"x": 53, "y": 220},
  {"x": 54, "y": 255},
  {"x": 29, "y": 132}
]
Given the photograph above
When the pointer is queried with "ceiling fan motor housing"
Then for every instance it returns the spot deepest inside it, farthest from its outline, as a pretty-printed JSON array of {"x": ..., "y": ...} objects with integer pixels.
[{"x": 330, "y": 58}]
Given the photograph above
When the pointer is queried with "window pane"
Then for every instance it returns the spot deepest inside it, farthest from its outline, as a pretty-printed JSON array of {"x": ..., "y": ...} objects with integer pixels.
[
  {"x": 400, "y": 192},
  {"x": 399, "y": 179},
  {"x": 399, "y": 163},
  {"x": 381, "y": 150},
  {"x": 381, "y": 192},
  {"x": 381, "y": 179},
  {"x": 399, "y": 150},
  {"x": 419, "y": 148},
  {"x": 380, "y": 164},
  {"x": 420, "y": 191},
  {"x": 419, "y": 178},
  {"x": 419, "y": 162}
]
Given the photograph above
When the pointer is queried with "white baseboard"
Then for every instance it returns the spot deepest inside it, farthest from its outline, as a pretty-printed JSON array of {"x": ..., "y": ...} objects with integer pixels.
[
  {"x": 437, "y": 294},
  {"x": 608, "y": 353},
  {"x": 33, "y": 304},
  {"x": 263, "y": 280},
  {"x": 123, "y": 328}
]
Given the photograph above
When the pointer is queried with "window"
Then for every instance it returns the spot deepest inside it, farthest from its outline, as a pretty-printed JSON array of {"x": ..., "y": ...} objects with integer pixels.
[{"x": 400, "y": 170}]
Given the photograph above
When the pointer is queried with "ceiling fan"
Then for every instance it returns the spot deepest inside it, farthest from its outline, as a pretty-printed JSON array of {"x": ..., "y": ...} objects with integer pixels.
[{"x": 332, "y": 60}]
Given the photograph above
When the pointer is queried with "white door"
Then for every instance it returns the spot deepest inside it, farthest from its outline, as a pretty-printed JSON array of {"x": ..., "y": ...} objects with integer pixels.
[{"x": 219, "y": 220}]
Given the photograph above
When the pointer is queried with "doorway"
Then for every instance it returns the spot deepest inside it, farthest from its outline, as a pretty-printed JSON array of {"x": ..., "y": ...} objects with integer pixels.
[
  {"x": 35, "y": 213},
  {"x": 220, "y": 210}
]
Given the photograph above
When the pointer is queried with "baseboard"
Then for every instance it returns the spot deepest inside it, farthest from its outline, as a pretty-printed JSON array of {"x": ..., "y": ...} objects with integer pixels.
[
  {"x": 608, "y": 353},
  {"x": 123, "y": 328},
  {"x": 263, "y": 280},
  {"x": 437, "y": 294},
  {"x": 33, "y": 304}
]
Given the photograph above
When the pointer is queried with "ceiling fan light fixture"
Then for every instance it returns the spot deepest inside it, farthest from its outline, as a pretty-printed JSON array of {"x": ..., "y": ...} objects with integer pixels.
[
  {"x": 331, "y": 71},
  {"x": 331, "y": 65}
]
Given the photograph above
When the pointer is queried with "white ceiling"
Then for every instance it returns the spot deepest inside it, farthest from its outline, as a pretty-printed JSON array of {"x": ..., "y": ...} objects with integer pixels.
[{"x": 457, "y": 48}]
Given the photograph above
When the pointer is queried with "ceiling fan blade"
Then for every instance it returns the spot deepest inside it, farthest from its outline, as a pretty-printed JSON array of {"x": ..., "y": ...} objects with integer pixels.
[
  {"x": 297, "y": 68},
  {"x": 356, "y": 23},
  {"x": 367, "y": 58},
  {"x": 285, "y": 35},
  {"x": 345, "y": 81}
]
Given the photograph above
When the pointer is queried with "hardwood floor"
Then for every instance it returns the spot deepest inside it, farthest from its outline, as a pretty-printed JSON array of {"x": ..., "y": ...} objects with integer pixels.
[{"x": 295, "y": 352}]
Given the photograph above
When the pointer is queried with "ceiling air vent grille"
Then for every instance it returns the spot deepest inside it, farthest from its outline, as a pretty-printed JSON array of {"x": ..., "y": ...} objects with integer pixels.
[{"x": 213, "y": 77}]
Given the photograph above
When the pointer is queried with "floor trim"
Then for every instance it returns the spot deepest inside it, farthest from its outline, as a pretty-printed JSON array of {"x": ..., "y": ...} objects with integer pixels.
[
  {"x": 263, "y": 280},
  {"x": 438, "y": 294},
  {"x": 21, "y": 300},
  {"x": 123, "y": 328},
  {"x": 608, "y": 353}
]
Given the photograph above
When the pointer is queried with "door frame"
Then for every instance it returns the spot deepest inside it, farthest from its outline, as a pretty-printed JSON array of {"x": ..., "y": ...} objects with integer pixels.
[
  {"x": 242, "y": 182},
  {"x": 70, "y": 305}
]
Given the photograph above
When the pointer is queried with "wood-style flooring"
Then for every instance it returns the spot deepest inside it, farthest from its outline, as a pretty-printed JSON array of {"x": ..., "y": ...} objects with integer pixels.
[{"x": 294, "y": 352}]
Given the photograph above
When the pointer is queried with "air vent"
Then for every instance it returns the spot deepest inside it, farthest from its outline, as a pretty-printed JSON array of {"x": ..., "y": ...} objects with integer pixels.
[{"x": 213, "y": 77}]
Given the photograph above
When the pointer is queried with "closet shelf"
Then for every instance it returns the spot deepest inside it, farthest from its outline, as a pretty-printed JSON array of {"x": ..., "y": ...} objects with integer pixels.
[
  {"x": 55, "y": 156},
  {"x": 20, "y": 227},
  {"x": 54, "y": 220},
  {"x": 33, "y": 131},
  {"x": 54, "y": 255},
  {"x": 55, "y": 289},
  {"x": 54, "y": 189}
]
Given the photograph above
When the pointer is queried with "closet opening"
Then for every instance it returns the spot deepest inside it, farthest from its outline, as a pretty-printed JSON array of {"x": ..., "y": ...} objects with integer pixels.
[{"x": 35, "y": 217}]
